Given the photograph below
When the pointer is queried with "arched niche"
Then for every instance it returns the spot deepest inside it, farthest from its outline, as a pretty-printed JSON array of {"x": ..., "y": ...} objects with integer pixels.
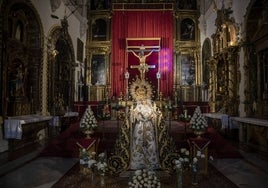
[
  {"x": 206, "y": 55},
  {"x": 61, "y": 65},
  {"x": 21, "y": 59}
]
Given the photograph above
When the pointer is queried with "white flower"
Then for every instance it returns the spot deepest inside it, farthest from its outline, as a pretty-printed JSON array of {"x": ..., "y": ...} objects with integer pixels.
[
  {"x": 198, "y": 153},
  {"x": 195, "y": 160},
  {"x": 91, "y": 163},
  {"x": 144, "y": 178},
  {"x": 211, "y": 158}
]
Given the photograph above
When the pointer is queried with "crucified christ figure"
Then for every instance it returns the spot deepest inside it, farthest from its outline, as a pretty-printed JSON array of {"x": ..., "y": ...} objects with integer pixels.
[{"x": 143, "y": 67}]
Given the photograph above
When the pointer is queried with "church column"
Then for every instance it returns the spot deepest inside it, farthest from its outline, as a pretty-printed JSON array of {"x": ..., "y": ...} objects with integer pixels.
[{"x": 212, "y": 84}]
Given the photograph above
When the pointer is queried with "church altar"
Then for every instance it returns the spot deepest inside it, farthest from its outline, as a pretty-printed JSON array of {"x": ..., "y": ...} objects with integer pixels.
[
  {"x": 252, "y": 132},
  {"x": 24, "y": 130}
]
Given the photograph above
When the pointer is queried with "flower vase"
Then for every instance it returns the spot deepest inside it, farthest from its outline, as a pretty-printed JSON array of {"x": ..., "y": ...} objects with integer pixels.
[
  {"x": 179, "y": 177},
  {"x": 88, "y": 133}
]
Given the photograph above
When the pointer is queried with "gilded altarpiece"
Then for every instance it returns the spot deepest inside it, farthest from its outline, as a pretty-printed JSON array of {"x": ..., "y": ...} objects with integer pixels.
[
  {"x": 21, "y": 61},
  {"x": 98, "y": 50},
  {"x": 224, "y": 74},
  {"x": 187, "y": 65}
]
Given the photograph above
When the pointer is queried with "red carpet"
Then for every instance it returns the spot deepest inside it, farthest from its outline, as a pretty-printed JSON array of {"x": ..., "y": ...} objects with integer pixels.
[
  {"x": 220, "y": 147},
  {"x": 64, "y": 145}
]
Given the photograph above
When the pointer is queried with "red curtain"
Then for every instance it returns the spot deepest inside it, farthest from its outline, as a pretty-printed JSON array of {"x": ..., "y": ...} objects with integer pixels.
[{"x": 142, "y": 24}]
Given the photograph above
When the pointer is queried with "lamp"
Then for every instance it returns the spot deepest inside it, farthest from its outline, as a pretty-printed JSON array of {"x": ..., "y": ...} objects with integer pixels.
[{"x": 127, "y": 75}]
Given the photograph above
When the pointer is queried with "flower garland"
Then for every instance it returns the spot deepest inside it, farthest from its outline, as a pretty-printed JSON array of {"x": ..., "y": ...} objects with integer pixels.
[
  {"x": 198, "y": 122},
  {"x": 144, "y": 178},
  {"x": 88, "y": 121}
]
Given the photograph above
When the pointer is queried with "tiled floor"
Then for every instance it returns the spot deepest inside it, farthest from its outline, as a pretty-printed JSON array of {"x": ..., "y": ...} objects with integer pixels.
[
  {"x": 252, "y": 171},
  {"x": 42, "y": 172},
  {"x": 20, "y": 170}
]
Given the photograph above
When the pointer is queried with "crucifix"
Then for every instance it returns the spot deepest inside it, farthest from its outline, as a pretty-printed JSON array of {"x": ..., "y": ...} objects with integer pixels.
[{"x": 143, "y": 67}]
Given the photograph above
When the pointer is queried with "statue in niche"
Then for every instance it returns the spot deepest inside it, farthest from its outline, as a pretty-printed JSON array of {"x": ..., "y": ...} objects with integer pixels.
[{"x": 17, "y": 81}]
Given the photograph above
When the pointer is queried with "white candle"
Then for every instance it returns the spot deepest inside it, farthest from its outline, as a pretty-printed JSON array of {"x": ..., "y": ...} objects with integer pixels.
[{"x": 185, "y": 113}]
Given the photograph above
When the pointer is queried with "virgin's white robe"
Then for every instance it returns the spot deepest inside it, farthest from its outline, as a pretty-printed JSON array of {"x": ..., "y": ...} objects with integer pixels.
[{"x": 144, "y": 153}]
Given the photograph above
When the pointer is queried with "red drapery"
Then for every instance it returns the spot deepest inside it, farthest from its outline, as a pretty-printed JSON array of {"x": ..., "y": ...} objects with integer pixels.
[{"x": 142, "y": 24}]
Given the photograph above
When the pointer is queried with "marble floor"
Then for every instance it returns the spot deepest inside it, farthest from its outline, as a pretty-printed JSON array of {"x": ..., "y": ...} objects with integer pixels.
[
  {"x": 23, "y": 169},
  {"x": 30, "y": 171}
]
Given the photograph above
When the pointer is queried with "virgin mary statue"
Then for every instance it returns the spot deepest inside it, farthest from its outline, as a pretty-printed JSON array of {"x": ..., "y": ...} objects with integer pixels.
[
  {"x": 143, "y": 140},
  {"x": 143, "y": 144}
]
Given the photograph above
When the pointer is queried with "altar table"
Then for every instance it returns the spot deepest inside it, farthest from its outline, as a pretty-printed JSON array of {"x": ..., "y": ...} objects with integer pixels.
[{"x": 24, "y": 130}]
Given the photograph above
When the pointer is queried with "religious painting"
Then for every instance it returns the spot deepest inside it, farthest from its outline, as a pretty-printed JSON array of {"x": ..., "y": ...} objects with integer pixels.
[
  {"x": 187, "y": 29},
  {"x": 98, "y": 76},
  {"x": 99, "y": 30},
  {"x": 187, "y": 70}
]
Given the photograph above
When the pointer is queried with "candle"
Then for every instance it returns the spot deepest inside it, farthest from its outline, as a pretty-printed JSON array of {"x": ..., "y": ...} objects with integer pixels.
[{"x": 185, "y": 113}]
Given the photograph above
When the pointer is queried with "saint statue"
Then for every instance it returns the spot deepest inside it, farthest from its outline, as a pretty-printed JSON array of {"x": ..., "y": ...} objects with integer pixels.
[{"x": 144, "y": 152}]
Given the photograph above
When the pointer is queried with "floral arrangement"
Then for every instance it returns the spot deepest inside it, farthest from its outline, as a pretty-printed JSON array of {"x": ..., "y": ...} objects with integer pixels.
[
  {"x": 101, "y": 164},
  {"x": 144, "y": 178},
  {"x": 88, "y": 121},
  {"x": 198, "y": 122},
  {"x": 87, "y": 160},
  {"x": 186, "y": 161},
  {"x": 183, "y": 161}
]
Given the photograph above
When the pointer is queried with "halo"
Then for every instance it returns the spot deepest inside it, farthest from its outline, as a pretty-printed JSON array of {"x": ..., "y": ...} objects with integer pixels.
[{"x": 140, "y": 89}]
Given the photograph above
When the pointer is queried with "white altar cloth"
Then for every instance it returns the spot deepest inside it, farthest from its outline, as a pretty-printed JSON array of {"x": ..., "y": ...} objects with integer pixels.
[
  {"x": 253, "y": 121},
  {"x": 13, "y": 125}
]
